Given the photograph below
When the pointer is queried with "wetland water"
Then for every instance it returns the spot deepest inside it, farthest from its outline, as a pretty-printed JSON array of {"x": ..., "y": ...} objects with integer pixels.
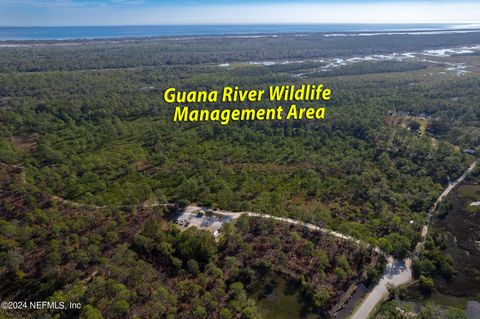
[
  {"x": 281, "y": 299},
  {"x": 462, "y": 226}
]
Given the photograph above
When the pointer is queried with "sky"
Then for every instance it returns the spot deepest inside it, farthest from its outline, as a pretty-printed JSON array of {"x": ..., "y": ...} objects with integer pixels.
[{"x": 168, "y": 12}]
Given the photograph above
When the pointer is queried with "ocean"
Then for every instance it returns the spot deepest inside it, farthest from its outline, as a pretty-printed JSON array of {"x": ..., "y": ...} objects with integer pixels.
[{"x": 100, "y": 32}]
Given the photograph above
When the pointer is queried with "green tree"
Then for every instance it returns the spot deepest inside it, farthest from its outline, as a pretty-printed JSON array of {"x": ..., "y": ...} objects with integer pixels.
[{"x": 90, "y": 312}]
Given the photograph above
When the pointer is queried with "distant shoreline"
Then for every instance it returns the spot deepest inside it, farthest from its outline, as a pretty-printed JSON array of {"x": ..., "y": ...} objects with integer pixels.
[{"x": 186, "y": 32}]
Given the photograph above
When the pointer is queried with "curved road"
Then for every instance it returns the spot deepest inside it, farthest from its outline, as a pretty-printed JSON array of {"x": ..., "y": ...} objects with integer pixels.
[
  {"x": 399, "y": 272},
  {"x": 396, "y": 273},
  {"x": 234, "y": 215}
]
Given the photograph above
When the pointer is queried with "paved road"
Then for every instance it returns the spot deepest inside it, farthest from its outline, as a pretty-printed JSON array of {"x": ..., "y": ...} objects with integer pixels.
[
  {"x": 396, "y": 273},
  {"x": 400, "y": 272}
]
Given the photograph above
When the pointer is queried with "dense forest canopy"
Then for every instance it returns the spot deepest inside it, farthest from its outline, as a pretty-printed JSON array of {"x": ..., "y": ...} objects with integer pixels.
[
  {"x": 106, "y": 137},
  {"x": 86, "y": 122},
  {"x": 193, "y": 51}
]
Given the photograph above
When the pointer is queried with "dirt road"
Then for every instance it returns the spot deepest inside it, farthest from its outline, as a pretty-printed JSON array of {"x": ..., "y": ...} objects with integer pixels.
[
  {"x": 396, "y": 273},
  {"x": 235, "y": 215},
  {"x": 432, "y": 210},
  {"x": 400, "y": 272}
]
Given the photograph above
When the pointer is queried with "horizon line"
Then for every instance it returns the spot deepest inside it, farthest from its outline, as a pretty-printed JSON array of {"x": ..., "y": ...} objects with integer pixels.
[{"x": 243, "y": 24}]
